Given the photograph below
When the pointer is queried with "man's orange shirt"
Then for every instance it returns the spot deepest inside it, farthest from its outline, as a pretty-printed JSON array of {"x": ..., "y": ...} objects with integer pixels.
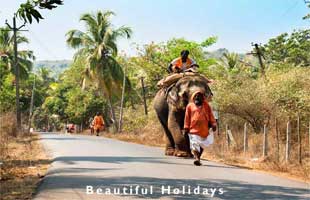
[
  {"x": 197, "y": 119},
  {"x": 98, "y": 122}
]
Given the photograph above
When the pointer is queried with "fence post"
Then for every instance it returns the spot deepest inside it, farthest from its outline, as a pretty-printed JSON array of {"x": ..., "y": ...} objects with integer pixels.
[
  {"x": 218, "y": 122},
  {"x": 245, "y": 139},
  {"x": 277, "y": 140},
  {"x": 265, "y": 142},
  {"x": 227, "y": 136},
  {"x": 144, "y": 98},
  {"x": 299, "y": 139},
  {"x": 231, "y": 138},
  {"x": 309, "y": 135},
  {"x": 288, "y": 135}
]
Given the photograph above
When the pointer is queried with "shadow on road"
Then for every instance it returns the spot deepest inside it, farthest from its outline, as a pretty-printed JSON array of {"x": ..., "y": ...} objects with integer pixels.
[
  {"x": 79, "y": 170},
  {"x": 61, "y": 138},
  {"x": 233, "y": 189},
  {"x": 126, "y": 159}
]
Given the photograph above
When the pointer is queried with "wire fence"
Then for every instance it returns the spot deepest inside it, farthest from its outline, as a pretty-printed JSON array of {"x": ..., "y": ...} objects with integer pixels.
[{"x": 285, "y": 144}]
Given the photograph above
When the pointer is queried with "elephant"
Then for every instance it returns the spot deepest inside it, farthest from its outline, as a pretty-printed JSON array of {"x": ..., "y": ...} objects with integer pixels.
[{"x": 170, "y": 105}]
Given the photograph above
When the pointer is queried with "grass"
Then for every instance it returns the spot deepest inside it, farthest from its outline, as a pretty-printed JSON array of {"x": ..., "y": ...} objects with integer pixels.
[
  {"x": 22, "y": 168},
  {"x": 140, "y": 129},
  {"x": 253, "y": 159},
  {"x": 23, "y": 163}
]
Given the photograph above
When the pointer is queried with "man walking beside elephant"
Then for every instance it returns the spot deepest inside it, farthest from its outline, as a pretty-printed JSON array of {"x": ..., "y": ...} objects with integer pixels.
[{"x": 198, "y": 120}]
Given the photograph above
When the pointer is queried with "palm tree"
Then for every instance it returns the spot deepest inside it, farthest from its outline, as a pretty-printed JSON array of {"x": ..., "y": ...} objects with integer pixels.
[
  {"x": 25, "y": 57},
  {"x": 98, "y": 45},
  {"x": 230, "y": 60},
  {"x": 45, "y": 74}
]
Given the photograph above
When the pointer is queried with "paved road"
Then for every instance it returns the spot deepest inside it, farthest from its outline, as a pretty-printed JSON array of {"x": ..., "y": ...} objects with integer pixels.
[{"x": 109, "y": 166}]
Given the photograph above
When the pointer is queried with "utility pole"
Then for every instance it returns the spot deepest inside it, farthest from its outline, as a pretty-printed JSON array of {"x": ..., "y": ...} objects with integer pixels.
[
  {"x": 144, "y": 99},
  {"x": 31, "y": 104},
  {"x": 16, "y": 68},
  {"x": 260, "y": 56}
]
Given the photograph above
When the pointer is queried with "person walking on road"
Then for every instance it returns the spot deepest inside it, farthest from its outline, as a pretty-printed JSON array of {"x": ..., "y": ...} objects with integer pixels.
[
  {"x": 91, "y": 125},
  {"x": 98, "y": 123},
  {"x": 198, "y": 120}
]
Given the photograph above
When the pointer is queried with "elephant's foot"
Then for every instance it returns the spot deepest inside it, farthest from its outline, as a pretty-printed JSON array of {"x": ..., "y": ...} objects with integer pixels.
[
  {"x": 169, "y": 151},
  {"x": 184, "y": 154}
]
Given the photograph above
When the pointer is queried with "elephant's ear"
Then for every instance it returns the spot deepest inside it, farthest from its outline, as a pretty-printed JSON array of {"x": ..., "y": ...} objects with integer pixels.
[
  {"x": 208, "y": 90},
  {"x": 173, "y": 97}
]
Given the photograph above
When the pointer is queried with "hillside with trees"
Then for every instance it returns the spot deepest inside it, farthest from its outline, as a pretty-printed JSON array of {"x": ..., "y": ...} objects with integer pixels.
[{"x": 56, "y": 67}]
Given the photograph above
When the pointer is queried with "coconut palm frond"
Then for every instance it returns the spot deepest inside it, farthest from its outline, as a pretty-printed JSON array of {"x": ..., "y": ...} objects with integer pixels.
[
  {"x": 74, "y": 38},
  {"x": 91, "y": 25},
  {"x": 25, "y": 57},
  {"x": 230, "y": 60},
  {"x": 92, "y": 62},
  {"x": 123, "y": 31},
  {"x": 21, "y": 39}
]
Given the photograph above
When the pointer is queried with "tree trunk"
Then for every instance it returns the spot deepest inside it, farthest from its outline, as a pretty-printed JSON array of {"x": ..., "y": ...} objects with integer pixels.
[
  {"x": 113, "y": 113},
  {"x": 122, "y": 104},
  {"x": 108, "y": 95}
]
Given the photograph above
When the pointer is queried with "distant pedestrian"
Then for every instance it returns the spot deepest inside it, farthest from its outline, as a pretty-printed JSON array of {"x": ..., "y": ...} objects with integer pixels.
[
  {"x": 198, "y": 120},
  {"x": 98, "y": 123},
  {"x": 70, "y": 128},
  {"x": 91, "y": 125}
]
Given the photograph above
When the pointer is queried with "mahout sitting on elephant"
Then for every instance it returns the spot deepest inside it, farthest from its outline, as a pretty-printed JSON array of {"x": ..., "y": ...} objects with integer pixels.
[{"x": 170, "y": 105}]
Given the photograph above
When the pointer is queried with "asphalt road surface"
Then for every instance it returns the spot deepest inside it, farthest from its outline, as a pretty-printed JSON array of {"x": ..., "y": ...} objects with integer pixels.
[{"x": 88, "y": 167}]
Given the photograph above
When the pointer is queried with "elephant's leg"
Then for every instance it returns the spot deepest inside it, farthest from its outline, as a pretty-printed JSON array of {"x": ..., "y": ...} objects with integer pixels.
[
  {"x": 161, "y": 108},
  {"x": 169, "y": 151},
  {"x": 175, "y": 126}
]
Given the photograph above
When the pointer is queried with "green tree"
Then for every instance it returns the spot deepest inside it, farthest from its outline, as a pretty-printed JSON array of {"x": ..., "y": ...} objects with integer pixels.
[
  {"x": 68, "y": 101},
  {"x": 153, "y": 59},
  {"x": 45, "y": 74},
  {"x": 25, "y": 57},
  {"x": 7, "y": 93},
  {"x": 26, "y": 11},
  {"x": 29, "y": 10},
  {"x": 7, "y": 72},
  {"x": 291, "y": 49},
  {"x": 98, "y": 46},
  {"x": 230, "y": 61},
  {"x": 307, "y": 2}
]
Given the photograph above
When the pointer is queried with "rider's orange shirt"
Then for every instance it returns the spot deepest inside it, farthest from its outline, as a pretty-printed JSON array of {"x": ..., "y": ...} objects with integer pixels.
[
  {"x": 179, "y": 64},
  {"x": 197, "y": 119}
]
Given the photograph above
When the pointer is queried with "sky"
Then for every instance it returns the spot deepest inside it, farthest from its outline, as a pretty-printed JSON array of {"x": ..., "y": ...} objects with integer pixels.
[{"x": 236, "y": 23}]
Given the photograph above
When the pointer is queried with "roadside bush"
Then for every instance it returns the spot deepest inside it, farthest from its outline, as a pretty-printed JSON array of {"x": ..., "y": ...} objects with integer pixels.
[
  {"x": 281, "y": 94},
  {"x": 7, "y": 130},
  {"x": 288, "y": 91}
]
